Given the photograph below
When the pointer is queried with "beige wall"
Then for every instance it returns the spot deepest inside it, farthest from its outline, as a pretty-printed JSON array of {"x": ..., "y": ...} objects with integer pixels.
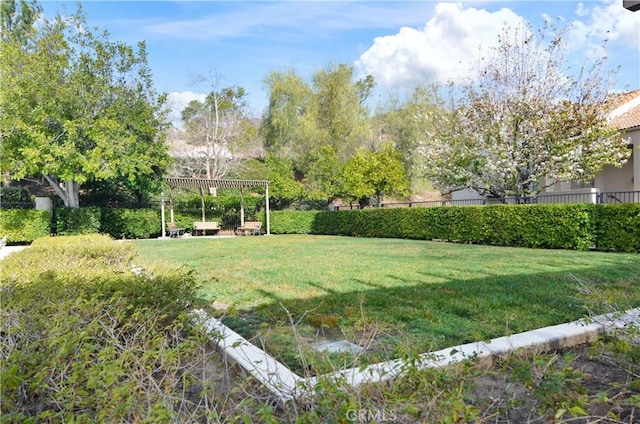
[{"x": 616, "y": 179}]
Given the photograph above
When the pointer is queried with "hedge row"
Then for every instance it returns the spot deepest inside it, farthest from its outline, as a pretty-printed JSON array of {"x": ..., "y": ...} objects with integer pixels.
[
  {"x": 24, "y": 225},
  {"x": 118, "y": 223},
  {"x": 575, "y": 226}
]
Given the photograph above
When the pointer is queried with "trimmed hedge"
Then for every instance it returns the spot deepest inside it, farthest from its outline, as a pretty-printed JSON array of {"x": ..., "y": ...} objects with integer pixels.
[
  {"x": 130, "y": 223},
  {"x": 289, "y": 222},
  {"x": 572, "y": 226},
  {"x": 24, "y": 225},
  {"x": 118, "y": 223},
  {"x": 618, "y": 227},
  {"x": 70, "y": 221}
]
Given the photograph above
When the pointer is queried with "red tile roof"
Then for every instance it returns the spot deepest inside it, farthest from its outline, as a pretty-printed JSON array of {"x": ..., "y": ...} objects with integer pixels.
[{"x": 629, "y": 118}]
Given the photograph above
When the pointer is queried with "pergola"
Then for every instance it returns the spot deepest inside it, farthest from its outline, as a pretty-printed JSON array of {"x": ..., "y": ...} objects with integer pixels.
[{"x": 204, "y": 183}]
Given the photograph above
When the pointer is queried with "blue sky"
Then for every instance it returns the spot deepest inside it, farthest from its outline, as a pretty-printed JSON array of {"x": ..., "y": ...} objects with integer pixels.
[{"x": 400, "y": 43}]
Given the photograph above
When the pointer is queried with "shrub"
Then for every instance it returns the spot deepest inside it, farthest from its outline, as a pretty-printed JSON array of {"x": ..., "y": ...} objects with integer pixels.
[
  {"x": 84, "y": 256},
  {"x": 14, "y": 195},
  {"x": 24, "y": 225},
  {"x": 71, "y": 221},
  {"x": 86, "y": 341},
  {"x": 290, "y": 222},
  {"x": 130, "y": 223},
  {"x": 618, "y": 227},
  {"x": 545, "y": 226}
]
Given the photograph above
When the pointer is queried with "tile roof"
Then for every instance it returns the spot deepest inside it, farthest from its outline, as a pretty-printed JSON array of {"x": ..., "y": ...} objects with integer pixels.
[{"x": 623, "y": 115}]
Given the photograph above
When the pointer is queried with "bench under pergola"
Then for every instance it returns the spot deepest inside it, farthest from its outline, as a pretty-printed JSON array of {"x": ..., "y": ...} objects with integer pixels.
[{"x": 204, "y": 183}]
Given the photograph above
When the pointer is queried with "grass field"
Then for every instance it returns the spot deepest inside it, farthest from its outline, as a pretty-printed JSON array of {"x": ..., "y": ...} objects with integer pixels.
[{"x": 392, "y": 296}]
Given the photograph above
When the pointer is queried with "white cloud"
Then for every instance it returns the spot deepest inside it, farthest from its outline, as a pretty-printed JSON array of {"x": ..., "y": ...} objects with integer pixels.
[
  {"x": 445, "y": 49},
  {"x": 177, "y": 101},
  {"x": 607, "y": 20}
]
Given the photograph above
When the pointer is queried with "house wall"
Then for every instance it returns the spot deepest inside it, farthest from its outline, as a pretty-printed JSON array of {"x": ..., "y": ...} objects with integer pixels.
[
  {"x": 627, "y": 177},
  {"x": 466, "y": 194},
  {"x": 635, "y": 141}
]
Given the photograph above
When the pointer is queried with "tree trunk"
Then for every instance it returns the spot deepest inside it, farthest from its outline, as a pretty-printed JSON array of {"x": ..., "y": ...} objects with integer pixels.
[
  {"x": 72, "y": 189},
  {"x": 69, "y": 191}
]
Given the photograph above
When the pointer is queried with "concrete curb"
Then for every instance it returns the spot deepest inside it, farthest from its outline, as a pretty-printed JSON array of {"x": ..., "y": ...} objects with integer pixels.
[{"x": 287, "y": 385}]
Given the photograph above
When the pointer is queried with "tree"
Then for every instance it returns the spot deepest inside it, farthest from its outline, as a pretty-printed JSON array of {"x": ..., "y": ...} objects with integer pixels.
[
  {"x": 216, "y": 131},
  {"x": 370, "y": 175},
  {"x": 76, "y": 107},
  {"x": 405, "y": 123},
  {"x": 285, "y": 121},
  {"x": 283, "y": 187},
  {"x": 528, "y": 121},
  {"x": 17, "y": 19},
  {"x": 319, "y": 126}
]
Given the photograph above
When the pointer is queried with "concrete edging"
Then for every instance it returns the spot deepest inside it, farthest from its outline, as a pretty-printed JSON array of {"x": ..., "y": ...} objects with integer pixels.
[{"x": 287, "y": 385}]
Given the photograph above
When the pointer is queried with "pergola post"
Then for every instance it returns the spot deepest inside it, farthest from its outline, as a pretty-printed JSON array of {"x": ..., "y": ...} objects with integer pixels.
[
  {"x": 241, "y": 207},
  {"x": 266, "y": 195},
  {"x": 162, "y": 217}
]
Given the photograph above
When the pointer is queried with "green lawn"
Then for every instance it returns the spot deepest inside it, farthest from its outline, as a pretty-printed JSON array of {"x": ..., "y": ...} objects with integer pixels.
[{"x": 393, "y": 295}]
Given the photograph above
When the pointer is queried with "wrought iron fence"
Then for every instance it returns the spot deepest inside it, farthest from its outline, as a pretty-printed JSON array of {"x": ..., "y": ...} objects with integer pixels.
[{"x": 610, "y": 197}]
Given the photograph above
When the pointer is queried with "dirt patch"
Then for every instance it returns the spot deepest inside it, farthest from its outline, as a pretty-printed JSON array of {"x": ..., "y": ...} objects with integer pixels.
[{"x": 583, "y": 384}]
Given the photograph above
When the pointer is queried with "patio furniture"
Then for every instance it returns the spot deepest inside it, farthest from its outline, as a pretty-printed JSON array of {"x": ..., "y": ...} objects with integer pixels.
[
  {"x": 174, "y": 230},
  {"x": 201, "y": 228},
  {"x": 249, "y": 228}
]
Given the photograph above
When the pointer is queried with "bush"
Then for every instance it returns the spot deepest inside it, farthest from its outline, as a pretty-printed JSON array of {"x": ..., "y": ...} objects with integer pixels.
[
  {"x": 130, "y": 223},
  {"x": 290, "y": 222},
  {"x": 24, "y": 225},
  {"x": 618, "y": 227},
  {"x": 73, "y": 221},
  {"x": 87, "y": 341},
  {"x": 17, "y": 197},
  {"x": 77, "y": 257},
  {"x": 542, "y": 226}
]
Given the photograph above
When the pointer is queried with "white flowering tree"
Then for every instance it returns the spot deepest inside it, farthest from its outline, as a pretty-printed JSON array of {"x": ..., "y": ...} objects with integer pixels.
[{"x": 526, "y": 121}]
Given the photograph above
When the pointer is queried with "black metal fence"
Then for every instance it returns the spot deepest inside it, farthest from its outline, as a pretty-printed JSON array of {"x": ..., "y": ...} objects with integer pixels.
[{"x": 543, "y": 198}]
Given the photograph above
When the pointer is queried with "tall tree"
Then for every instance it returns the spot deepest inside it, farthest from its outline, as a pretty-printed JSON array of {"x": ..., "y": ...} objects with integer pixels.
[
  {"x": 217, "y": 130},
  {"x": 319, "y": 126},
  {"x": 17, "y": 19},
  {"x": 77, "y": 107},
  {"x": 287, "y": 117},
  {"x": 405, "y": 123},
  {"x": 528, "y": 120}
]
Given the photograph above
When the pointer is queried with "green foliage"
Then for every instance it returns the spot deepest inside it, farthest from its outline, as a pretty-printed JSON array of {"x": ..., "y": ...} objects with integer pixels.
[
  {"x": 538, "y": 226},
  {"x": 373, "y": 174},
  {"x": 24, "y": 225},
  {"x": 90, "y": 342},
  {"x": 283, "y": 187},
  {"x": 17, "y": 18},
  {"x": 96, "y": 115},
  {"x": 618, "y": 227},
  {"x": 292, "y": 222},
  {"x": 81, "y": 256},
  {"x": 318, "y": 126},
  {"x": 71, "y": 221},
  {"x": 130, "y": 223},
  {"x": 14, "y": 195}
]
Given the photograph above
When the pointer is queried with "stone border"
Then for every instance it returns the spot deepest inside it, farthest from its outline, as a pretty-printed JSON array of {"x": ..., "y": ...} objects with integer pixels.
[{"x": 287, "y": 385}]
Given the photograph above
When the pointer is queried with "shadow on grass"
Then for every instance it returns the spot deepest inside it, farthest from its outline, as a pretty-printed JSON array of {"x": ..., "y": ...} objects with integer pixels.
[{"x": 430, "y": 316}]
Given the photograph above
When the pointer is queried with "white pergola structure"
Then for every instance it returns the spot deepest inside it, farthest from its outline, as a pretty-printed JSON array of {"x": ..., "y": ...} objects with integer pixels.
[{"x": 206, "y": 184}]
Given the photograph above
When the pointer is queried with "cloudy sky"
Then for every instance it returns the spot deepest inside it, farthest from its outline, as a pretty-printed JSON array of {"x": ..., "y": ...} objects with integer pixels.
[{"x": 400, "y": 43}]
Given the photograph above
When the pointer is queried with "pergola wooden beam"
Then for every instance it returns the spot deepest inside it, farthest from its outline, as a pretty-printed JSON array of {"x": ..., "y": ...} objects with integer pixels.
[{"x": 203, "y": 183}]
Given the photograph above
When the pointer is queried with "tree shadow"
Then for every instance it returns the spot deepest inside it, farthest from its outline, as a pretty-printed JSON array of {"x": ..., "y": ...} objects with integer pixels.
[{"x": 430, "y": 316}]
